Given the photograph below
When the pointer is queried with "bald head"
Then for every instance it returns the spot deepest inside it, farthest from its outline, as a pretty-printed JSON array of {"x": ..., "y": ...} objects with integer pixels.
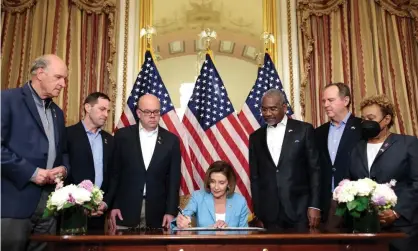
[
  {"x": 148, "y": 101},
  {"x": 48, "y": 75},
  {"x": 148, "y": 112}
]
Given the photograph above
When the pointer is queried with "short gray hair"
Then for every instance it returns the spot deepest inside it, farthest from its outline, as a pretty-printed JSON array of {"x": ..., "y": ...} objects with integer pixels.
[
  {"x": 275, "y": 93},
  {"x": 39, "y": 63}
]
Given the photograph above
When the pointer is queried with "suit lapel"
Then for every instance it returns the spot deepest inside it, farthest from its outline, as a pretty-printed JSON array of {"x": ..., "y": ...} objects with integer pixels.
[
  {"x": 210, "y": 205},
  {"x": 264, "y": 143},
  {"x": 105, "y": 150},
  {"x": 138, "y": 145},
  {"x": 229, "y": 211},
  {"x": 290, "y": 130},
  {"x": 30, "y": 103},
  {"x": 55, "y": 125},
  {"x": 363, "y": 155},
  {"x": 383, "y": 149},
  {"x": 159, "y": 147},
  {"x": 84, "y": 140},
  {"x": 349, "y": 129}
]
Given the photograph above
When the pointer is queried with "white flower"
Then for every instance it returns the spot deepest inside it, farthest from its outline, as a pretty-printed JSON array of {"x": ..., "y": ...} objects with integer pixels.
[
  {"x": 365, "y": 186},
  {"x": 61, "y": 196},
  {"x": 345, "y": 192},
  {"x": 81, "y": 195}
]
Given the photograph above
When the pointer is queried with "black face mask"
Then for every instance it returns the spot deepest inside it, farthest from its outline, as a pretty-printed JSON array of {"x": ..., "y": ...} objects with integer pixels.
[{"x": 370, "y": 128}]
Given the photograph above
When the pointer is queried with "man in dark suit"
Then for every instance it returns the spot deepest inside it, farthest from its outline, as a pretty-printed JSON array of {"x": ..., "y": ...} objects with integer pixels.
[
  {"x": 335, "y": 140},
  {"x": 284, "y": 168},
  {"x": 90, "y": 149},
  {"x": 147, "y": 169},
  {"x": 32, "y": 146}
]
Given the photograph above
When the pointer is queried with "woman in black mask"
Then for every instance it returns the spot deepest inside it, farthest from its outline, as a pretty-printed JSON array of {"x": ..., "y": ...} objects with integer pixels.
[{"x": 384, "y": 156}]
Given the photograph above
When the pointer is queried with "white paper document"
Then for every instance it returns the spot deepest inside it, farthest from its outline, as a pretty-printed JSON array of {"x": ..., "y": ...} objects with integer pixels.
[{"x": 220, "y": 229}]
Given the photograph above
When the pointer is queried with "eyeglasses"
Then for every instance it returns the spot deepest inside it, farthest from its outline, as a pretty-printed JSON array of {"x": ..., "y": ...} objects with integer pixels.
[{"x": 148, "y": 112}]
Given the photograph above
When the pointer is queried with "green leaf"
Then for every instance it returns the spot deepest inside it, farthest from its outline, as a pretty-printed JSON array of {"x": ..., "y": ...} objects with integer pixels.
[
  {"x": 47, "y": 213},
  {"x": 352, "y": 204},
  {"x": 87, "y": 206},
  {"x": 340, "y": 211},
  {"x": 355, "y": 214},
  {"x": 67, "y": 205}
]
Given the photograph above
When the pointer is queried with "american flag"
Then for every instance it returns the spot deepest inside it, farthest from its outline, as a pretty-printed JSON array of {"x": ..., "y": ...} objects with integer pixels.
[
  {"x": 267, "y": 78},
  {"x": 149, "y": 81},
  {"x": 213, "y": 129}
]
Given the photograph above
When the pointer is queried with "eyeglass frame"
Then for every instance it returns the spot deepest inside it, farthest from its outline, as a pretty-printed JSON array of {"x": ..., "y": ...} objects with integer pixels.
[{"x": 148, "y": 112}]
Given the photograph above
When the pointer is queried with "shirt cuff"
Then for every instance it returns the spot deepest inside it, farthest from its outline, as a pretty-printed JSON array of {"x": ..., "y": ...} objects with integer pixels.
[
  {"x": 34, "y": 175},
  {"x": 315, "y": 208}
]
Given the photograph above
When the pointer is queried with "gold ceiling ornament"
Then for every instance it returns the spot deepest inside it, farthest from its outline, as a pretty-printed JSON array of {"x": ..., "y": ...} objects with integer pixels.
[
  {"x": 148, "y": 32},
  {"x": 207, "y": 35}
]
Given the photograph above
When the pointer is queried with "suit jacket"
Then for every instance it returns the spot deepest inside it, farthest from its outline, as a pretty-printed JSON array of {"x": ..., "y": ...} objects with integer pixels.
[
  {"x": 202, "y": 206},
  {"x": 81, "y": 160},
  {"x": 397, "y": 159},
  {"x": 351, "y": 136},
  {"x": 284, "y": 192},
  {"x": 162, "y": 177},
  {"x": 24, "y": 147}
]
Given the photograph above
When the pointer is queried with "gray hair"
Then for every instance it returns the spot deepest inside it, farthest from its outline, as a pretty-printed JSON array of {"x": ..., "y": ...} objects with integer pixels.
[
  {"x": 277, "y": 94},
  {"x": 39, "y": 63}
]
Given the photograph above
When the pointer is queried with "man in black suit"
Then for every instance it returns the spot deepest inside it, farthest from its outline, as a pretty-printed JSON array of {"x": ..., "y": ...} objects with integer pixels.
[
  {"x": 335, "y": 140},
  {"x": 147, "y": 169},
  {"x": 284, "y": 168},
  {"x": 90, "y": 148}
]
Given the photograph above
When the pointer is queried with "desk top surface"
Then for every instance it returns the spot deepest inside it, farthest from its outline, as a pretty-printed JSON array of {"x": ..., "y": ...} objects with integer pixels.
[{"x": 163, "y": 235}]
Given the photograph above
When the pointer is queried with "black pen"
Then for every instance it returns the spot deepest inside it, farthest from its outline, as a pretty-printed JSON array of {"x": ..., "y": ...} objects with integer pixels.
[{"x": 180, "y": 211}]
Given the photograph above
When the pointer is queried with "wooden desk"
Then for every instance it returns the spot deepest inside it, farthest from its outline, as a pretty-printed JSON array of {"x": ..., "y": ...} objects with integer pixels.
[{"x": 220, "y": 241}]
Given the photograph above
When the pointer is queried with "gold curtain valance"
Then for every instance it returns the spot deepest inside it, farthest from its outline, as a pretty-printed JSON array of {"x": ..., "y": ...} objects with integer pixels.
[
  {"x": 95, "y": 6},
  {"x": 14, "y": 6}
]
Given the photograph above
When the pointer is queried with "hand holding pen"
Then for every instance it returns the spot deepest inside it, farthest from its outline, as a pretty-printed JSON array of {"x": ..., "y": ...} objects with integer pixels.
[{"x": 182, "y": 220}]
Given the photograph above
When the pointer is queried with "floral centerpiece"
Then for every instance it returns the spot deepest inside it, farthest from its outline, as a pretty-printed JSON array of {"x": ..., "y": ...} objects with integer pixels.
[
  {"x": 363, "y": 200},
  {"x": 74, "y": 203}
]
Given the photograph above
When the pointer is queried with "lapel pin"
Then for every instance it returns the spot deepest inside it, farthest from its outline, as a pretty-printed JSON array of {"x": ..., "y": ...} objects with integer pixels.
[
  {"x": 353, "y": 128},
  {"x": 297, "y": 141},
  {"x": 386, "y": 144},
  {"x": 105, "y": 140},
  {"x": 382, "y": 150},
  {"x": 290, "y": 130}
]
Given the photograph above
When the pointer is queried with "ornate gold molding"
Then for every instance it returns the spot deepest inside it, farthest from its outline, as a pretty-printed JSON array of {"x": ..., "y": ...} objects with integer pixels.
[
  {"x": 125, "y": 54},
  {"x": 270, "y": 26},
  {"x": 14, "y": 6},
  {"x": 289, "y": 41},
  {"x": 145, "y": 19}
]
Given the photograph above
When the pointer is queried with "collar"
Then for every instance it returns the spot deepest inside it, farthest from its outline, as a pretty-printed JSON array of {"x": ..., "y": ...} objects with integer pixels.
[
  {"x": 344, "y": 121},
  {"x": 283, "y": 122},
  {"x": 141, "y": 128},
  {"x": 47, "y": 102},
  {"x": 88, "y": 131}
]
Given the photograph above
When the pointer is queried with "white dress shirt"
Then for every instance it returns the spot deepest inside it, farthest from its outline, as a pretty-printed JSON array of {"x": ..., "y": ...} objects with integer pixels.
[
  {"x": 275, "y": 136},
  {"x": 372, "y": 151},
  {"x": 148, "y": 140}
]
